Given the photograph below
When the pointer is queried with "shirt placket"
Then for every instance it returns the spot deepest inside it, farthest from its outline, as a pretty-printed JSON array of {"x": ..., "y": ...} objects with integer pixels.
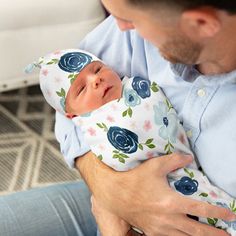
[{"x": 195, "y": 106}]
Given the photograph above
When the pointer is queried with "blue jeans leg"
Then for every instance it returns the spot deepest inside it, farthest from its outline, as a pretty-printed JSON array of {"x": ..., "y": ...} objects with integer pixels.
[{"x": 58, "y": 210}]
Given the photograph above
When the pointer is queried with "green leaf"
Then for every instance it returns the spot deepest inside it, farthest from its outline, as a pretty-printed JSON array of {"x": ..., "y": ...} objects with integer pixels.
[
  {"x": 154, "y": 89},
  {"x": 203, "y": 195},
  {"x": 100, "y": 157},
  {"x": 50, "y": 63},
  {"x": 130, "y": 112},
  {"x": 211, "y": 221},
  {"x": 140, "y": 146},
  {"x": 149, "y": 141},
  {"x": 99, "y": 125},
  {"x": 116, "y": 156},
  {"x": 124, "y": 113},
  {"x": 63, "y": 92},
  {"x": 151, "y": 146},
  {"x": 71, "y": 76},
  {"x": 72, "y": 80},
  {"x": 166, "y": 146},
  {"x": 123, "y": 155},
  {"x": 121, "y": 160},
  {"x": 104, "y": 126},
  {"x": 233, "y": 206},
  {"x": 58, "y": 93},
  {"x": 191, "y": 175},
  {"x": 55, "y": 60},
  {"x": 115, "y": 151},
  {"x": 186, "y": 171},
  {"x": 171, "y": 145}
]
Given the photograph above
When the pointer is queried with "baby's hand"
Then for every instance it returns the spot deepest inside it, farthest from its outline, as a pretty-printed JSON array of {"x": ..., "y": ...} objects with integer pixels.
[{"x": 108, "y": 223}]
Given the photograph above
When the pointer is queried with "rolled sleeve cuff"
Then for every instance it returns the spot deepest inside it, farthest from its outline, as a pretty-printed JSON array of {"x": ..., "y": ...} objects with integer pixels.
[{"x": 71, "y": 140}]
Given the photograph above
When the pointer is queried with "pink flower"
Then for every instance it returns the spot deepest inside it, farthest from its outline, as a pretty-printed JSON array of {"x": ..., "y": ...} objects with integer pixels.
[
  {"x": 147, "y": 125},
  {"x": 133, "y": 125},
  {"x": 147, "y": 106},
  {"x": 213, "y": 194},
  {"x": 182, "y": 138},
  {"x": 110, "y": 118},
  {"x": 58, "y": 80},
  {"x": 45, "y": 72},
  {"x": 92, "y": 131},
  {"x": 114, "y": 107},
  {"x": 57, "y": 52},
  {"x": 101, "y": 147},
  {"x": 49, "y": 93},
  {"x": 149, "y": 155}
]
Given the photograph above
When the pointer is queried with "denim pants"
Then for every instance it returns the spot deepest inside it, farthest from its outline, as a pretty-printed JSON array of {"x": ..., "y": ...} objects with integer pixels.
[{"x": 58, "y": 210}]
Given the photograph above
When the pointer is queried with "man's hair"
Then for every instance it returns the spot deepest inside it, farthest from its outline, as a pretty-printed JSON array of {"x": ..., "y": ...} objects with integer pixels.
[{"x": 227, "y": 5}]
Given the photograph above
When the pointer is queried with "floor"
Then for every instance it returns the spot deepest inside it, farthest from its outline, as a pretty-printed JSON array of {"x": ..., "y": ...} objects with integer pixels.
[{"x": 29, "y": 152}]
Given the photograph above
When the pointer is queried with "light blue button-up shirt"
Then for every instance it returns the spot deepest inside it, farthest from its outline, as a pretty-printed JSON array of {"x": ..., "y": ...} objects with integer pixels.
[{"x": 205, "y": 104}]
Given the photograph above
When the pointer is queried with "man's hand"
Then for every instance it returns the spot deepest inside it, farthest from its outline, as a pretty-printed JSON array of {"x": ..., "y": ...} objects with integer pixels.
[
  {"x": 108, "y": 223},
  {"x": 143, "y": 198}
]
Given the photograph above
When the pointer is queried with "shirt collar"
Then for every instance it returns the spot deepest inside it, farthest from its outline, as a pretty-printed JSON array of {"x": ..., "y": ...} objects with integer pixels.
[{"x": 186, "y": 72}]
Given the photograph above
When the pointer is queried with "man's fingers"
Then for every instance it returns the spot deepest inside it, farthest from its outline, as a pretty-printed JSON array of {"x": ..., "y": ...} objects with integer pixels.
[
  {"x": 173, "y": 162},
  {"x": 195, "y": 228},
  {"x": 203, "y": 209},
  {"x": 176, "y": 233}
]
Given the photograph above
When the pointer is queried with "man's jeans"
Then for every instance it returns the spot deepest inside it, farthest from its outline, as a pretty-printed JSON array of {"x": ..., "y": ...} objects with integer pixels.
[{"x": 59, "y": 210}]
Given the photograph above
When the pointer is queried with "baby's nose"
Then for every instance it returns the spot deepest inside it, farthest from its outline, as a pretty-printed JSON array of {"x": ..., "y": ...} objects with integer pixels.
[{"x": 96, "y": 81}]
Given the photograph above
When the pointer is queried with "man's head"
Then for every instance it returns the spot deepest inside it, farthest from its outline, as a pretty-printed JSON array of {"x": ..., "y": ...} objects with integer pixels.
[
  {"x": 67, "y": 70},
  {"x": 183, "y": 5},
  {"x": 185, "y": 31}
]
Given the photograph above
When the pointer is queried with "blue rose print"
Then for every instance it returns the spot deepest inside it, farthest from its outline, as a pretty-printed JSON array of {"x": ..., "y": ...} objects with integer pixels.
[
  {"x": 86, "y": 114},
  {"x": 123, "y": 139},
  {"x": 167, "y": 121},
  {"x": 186, "y": 185},
  {"x": 231, "y": 224},
  {"x": 131, "y": 98},
  {"x": 142, "y": 87},
  {"x": 74, "y": 61},
  {"x": 63, "y": 103}
]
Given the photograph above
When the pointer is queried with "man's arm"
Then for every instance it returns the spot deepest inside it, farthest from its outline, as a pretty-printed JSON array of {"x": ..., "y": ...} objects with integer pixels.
[
  {"x": 141, "y": 196},
  {"x": 144, "y": 199}
]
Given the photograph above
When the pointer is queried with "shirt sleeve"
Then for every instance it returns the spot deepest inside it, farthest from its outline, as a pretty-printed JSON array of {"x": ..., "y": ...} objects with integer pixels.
[{"x": 113, "y": 47}]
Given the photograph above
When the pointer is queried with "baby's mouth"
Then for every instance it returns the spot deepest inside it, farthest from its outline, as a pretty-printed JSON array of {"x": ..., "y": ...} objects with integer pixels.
[{"x": 106, "y": 90}]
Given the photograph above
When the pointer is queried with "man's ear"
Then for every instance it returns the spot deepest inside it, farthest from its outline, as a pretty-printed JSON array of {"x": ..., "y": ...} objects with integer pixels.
[
  {"x": 69, "y": 115},
  {"x": 201, "y": 23}
]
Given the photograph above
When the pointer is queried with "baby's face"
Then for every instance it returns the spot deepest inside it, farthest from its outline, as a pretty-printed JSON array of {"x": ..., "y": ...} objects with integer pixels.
[{"x": 96, "y": 85}]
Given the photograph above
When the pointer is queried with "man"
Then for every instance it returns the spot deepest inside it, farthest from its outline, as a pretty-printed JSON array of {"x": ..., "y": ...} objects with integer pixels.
[
  {"x": 190, "y": 33},
  {"x": 202, "y": 38}
]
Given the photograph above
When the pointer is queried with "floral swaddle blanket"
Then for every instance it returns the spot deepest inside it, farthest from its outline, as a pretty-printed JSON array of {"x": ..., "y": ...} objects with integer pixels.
[{"x": 142, "y": 124}]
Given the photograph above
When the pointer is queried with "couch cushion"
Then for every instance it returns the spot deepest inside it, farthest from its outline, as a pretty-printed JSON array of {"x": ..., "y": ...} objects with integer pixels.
[{"x": 28, "y": 13}]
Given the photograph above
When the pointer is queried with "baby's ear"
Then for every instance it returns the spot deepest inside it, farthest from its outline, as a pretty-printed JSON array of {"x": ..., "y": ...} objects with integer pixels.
[{"x": 69, "y": 115}]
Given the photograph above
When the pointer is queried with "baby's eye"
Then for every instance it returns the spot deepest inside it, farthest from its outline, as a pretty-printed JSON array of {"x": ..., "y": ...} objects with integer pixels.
[
  {"x": 81, "y": 89},
  {"x": 97, "y": 69}
]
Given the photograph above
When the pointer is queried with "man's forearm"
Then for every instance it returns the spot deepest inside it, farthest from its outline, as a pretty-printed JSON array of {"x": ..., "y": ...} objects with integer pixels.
[{"x": 94, "y": 172}]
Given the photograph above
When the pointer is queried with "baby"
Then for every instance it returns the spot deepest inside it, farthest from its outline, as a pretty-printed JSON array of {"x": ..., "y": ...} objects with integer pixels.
[{"x": 125, "y": 123}]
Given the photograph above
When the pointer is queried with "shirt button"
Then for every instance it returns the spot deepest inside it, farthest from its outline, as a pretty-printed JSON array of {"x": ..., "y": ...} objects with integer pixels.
[{"x": 201, "y": 93}]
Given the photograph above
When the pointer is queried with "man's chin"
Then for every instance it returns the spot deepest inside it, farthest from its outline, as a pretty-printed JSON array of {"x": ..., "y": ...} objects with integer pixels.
[{"x": 171, "y": 59}]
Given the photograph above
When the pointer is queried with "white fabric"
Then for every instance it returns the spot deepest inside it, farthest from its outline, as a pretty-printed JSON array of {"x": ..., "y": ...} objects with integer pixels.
[
  {"x": 29, "y": 29},
  {"x": 141, "y": 125},
  {"x": 58, "y": 70}
]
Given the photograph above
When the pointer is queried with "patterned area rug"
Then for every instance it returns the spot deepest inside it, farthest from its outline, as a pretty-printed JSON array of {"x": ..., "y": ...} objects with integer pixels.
[{"x": 29, "y": 152}]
